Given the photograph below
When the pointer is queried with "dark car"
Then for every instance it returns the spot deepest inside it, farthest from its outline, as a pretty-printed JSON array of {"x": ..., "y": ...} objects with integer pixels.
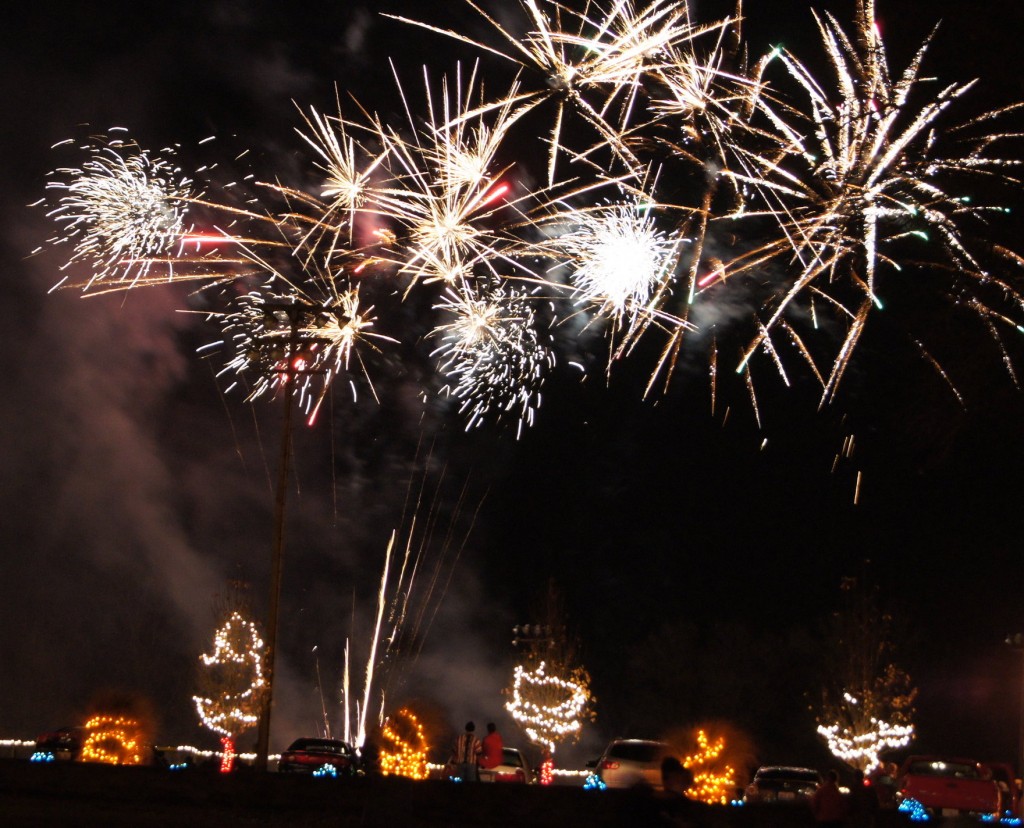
[
  {"x": 782, "y": 783},
  {"x": 63, "y": 743},
  {"x": 330, "y": 756}
]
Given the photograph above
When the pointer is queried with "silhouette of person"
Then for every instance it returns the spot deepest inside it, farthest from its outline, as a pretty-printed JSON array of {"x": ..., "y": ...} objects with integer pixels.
[
  {"x": 465, "y": 755},
  {"x": 828, "y": 804},
  {"x": 491, "y": 747}
]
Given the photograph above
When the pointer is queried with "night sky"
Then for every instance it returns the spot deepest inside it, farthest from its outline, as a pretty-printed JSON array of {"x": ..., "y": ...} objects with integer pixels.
[{"x": 697, "y": 553}]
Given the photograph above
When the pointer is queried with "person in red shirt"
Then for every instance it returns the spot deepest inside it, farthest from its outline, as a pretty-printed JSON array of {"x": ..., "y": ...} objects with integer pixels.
[
  {"x": 828, "y": 803},
  {"x": 490, "y": 756}
]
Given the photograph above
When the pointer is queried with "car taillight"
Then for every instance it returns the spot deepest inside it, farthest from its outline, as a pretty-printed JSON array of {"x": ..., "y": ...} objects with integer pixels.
[
  {"x": 609, "y": 764},
  {"x": 516, "y": 776}
]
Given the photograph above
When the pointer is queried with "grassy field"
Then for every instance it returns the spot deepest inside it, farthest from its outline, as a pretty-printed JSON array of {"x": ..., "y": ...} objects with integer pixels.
[{"x": 86, "y": 795}]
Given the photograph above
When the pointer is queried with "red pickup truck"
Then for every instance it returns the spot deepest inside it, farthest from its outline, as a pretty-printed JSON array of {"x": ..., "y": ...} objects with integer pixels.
[
  {"x": 948, "y": 786},
  {"x": 1009, "y": 786}
]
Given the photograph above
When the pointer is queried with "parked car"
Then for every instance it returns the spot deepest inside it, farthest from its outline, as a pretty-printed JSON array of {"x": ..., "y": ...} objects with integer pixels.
[
  {"x": 513, "y": 768},
  {"x": 311, "y": 755},
  {"x": 947, "y": 786},
  {"x": 627, "y": 763},
  {"x": 782, "y": 783},
  {"x": 64, "y": 743}
]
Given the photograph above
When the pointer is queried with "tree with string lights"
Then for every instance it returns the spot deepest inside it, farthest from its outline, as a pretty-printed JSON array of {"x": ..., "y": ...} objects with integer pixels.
[
  {"x": 714, "y": 777},
  {"x": 867, "y": 700},
  {"x": 232, "y": 685},
  {"x": 550, "y": 691}
]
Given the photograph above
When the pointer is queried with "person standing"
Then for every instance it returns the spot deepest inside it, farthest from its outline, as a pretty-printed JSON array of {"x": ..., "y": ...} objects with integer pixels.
[
  {"x": 491, "y": 747},
  {"x": 828, "y": 804},
  {"x": 465, "y": 755}
]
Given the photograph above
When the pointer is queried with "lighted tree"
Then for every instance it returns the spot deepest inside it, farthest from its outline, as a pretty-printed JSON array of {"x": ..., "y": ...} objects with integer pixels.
[
  {"x": 550, "y": 692},
  {"x": 404, "y": 746},
  {"x": 232, "y": 685},
  {"x": 714, "y": 779},
  {"x": 867, "y": 701}
]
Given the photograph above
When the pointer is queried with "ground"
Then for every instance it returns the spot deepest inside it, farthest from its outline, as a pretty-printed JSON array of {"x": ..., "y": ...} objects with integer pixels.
[{"x": 33, "y": 794}]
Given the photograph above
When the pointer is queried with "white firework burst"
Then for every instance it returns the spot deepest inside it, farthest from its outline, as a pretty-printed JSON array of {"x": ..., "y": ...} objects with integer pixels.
[
  {"x": 350, "y": 170},
  {"x": 620, "y": 262},
  {"x": 287, "y": 337},
  {"x": 122, "y": 210},
  {"x": 445, "y": 187},
  {"x": 492, "y": 353}
]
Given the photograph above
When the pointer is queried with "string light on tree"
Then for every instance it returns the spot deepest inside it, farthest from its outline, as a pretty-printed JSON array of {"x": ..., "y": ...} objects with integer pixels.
[
  {"x": 547, "y": 769},
  {"x": 232, "y": 684},
  {"x": 404, "y": 752},
  {"x": 549, "y": 708},
  {"x": 862, "y": 749},
  {"x": 867, "y": 698}
]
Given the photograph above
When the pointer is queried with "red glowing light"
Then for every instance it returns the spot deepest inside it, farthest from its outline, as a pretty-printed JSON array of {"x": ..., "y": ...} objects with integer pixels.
[
  {"x": 199, "y": 239},
  {"x": 547, "y": 769},
  {"x": 495, "y": 194},
  {"x": 227, "y": 759}
]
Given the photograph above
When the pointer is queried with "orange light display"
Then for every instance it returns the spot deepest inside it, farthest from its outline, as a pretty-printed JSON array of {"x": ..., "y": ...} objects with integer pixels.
[
  {"x": 404, "y": 752},
  {"x": 113, "y": 740},
  {"x": 711, "y": 785}
]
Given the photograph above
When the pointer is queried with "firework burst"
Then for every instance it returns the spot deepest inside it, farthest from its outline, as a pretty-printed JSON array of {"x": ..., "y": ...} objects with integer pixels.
[
  {"x": 350, "y": 170},
  {"x": 491, "y": 352},
  {"x": 591, "y": 61},
  {"x": 447, "y": 189},
  {"x": 620, "y": 262},
  {"x": 120, "y": 210},
  {"x": 779, "y": 203},
  {"x": 864, "y": 182},
  {"x": 285, "y": 337}
]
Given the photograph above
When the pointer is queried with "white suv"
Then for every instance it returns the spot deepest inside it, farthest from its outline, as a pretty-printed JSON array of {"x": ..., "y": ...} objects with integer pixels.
[{"x": 627, "y": 763}]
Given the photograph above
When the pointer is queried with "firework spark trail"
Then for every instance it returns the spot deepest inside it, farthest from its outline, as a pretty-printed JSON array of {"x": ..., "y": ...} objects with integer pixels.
[
  {"x": 401, "y": 623},
  {"x": 371, "y": 661},
  {"x": 345, "y": 706}
]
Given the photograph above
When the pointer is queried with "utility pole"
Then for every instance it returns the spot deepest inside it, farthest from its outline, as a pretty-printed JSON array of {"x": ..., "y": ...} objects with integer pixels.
[{"x": 288, "y": 321}]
